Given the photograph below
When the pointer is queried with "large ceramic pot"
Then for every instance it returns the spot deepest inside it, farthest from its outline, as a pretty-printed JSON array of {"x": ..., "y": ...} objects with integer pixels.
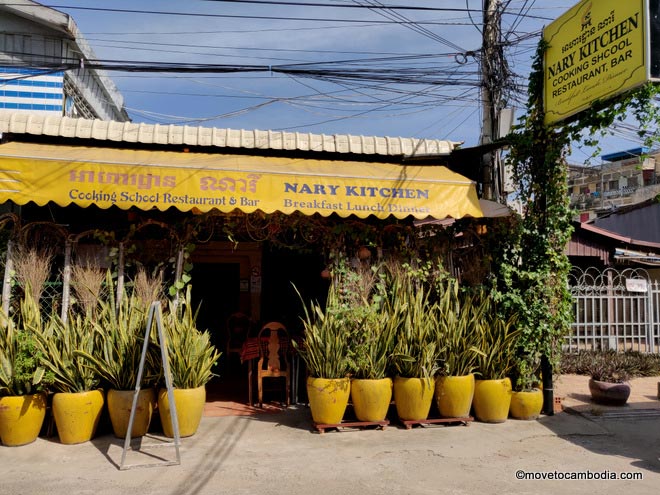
[
  {"x": 492, "y": 399},
  {"x": 120, "y": 403},
  {"x": 526, "y": 404},
  {"x": 21, "y": 418},
  {"x": 328, "y": 398},
  {"x": 413, "y": 397},
  {"x": 615, "y": 394},
  {"x": 77, "y": 415},
  {"x": 454, "y": 394},
  {"x": 371, "y": 398},
  {"x": 189, "y": 404}
]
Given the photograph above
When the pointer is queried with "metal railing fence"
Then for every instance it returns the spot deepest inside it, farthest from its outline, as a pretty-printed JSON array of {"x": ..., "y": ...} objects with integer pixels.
[{"x": 614, "y": 310}]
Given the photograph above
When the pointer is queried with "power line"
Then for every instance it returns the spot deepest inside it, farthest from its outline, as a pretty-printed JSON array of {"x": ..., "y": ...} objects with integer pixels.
[
  {"x": 404, "y": 21},
  {"x": 229, "y": 16},
  {"x": 248, "y": 48},
  {"x": 339, "y": 5}
]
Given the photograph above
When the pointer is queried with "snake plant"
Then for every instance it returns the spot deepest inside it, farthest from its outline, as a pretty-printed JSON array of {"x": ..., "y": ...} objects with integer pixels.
[
  {"x": 62, "y": 343},
  {"x": 417, "y": 348},
  {"x": 496, "y": 339},
  {"x": 119, "y": 331},
  {"x": 190, "y": 352},
  {"x": 461, "y": 316},
  {"x": 325, "y": 349}
]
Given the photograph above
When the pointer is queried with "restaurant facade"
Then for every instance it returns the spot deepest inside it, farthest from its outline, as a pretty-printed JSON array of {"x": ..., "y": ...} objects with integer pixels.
[{"x": 248, "y": 218}]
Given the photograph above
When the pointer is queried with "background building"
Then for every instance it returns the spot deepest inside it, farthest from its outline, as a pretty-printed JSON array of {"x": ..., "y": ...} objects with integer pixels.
[
  {"x": 34, "y": 40},
  {"x": 623, "y": 179}
]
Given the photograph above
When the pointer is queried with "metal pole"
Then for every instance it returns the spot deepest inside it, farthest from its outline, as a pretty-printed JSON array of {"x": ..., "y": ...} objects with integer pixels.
[
  {"x": 178, "y": 273},
  {"x": 548, "y": 390},
  {"x": 66, "y": 280},
  {"x": 6, "y": 282},
  {"x": 120, "y": 275}
]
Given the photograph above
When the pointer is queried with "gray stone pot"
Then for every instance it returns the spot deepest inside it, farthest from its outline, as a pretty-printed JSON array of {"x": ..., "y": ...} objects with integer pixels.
[{"x": 607, "y": 393}]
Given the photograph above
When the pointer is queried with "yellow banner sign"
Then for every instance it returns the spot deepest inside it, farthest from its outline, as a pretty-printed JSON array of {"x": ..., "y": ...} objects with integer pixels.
[
  {"x": 156, "y": 179},
  {"x": 596, "y": 50}
]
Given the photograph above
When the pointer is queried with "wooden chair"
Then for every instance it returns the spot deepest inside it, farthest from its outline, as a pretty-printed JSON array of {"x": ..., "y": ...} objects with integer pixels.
[{"x": 273, "y": 360}]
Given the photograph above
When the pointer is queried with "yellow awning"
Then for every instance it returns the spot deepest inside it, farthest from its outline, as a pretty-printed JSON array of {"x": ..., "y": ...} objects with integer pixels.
[{"x": 161, "y": 179}]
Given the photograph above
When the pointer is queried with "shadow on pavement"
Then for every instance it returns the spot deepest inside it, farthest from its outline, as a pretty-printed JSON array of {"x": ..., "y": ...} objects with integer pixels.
[{"x": 625, "y": 431}]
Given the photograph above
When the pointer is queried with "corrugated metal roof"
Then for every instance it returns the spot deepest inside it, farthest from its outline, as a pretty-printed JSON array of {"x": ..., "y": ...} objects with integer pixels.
[
  {"x": 638, "y": 221},
  {"x": 44, "y": 125},
  {"x": 619, "y": 236}
]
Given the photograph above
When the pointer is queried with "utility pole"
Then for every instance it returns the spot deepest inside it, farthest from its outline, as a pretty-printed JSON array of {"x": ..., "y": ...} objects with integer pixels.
[{"x": 493, "y": 78}]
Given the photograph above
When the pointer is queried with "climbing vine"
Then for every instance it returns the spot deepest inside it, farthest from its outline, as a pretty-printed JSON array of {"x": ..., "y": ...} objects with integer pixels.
[{"x": 532, "y": 269}]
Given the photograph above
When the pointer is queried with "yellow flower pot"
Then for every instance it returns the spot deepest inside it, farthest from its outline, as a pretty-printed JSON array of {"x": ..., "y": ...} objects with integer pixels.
[
  {"x": 413, "y": 397},
  {"x": 21, "y": 418},
  {"x": 454, "y": 394},
  {"x": 492, "y": 399},
  {"x": 371, "y": 398},
  {"x": 189, "y": 404},
  {"x": 526, "y": 405},
  {"x": 328, "y": 398},
  {"x": 120, "y": 403},
  {"x": 77, "y": 415}
]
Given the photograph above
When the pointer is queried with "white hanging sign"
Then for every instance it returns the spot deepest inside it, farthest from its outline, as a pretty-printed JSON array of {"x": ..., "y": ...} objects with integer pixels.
[{"x": 636, "y": 285}]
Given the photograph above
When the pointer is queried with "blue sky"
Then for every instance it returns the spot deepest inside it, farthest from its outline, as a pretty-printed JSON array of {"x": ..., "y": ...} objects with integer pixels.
[{"x": 342, "y": 38}]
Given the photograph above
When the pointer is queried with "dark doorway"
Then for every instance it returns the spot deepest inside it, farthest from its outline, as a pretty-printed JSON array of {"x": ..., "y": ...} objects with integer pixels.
[
  {"x": 216, "y": 286},
  {"x": 216, "y": 291},
  {"x": 286, "y": 271}
]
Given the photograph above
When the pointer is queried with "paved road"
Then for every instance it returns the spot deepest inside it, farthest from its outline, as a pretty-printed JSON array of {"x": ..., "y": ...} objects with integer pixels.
[{"x": 279, "y": 454}]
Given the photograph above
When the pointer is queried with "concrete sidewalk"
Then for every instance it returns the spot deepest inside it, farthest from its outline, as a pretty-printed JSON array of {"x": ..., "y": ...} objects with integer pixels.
[{"x": 279, "y": 453}]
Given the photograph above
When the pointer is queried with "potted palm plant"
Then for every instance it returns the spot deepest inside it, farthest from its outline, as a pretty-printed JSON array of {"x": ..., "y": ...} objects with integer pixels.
[
  {"x": 23, "y": 380},
  {"x": 191, "y": 361}
]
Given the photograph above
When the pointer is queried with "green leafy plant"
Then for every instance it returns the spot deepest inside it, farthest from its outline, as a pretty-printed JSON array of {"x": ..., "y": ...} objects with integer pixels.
[
  {"x": 21, "y": 372},
  {"x": 372, "y": 344},
  {"x": 191, "y": 354},
  {"x": 360, "y": 306},
  {"x": 525, "y": 376}
]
